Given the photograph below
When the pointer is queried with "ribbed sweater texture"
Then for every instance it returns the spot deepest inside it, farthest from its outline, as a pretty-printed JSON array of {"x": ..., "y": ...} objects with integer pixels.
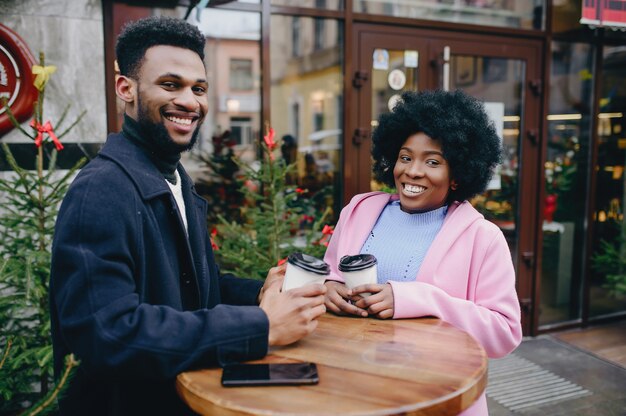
[
  {"x": 400, "y": 240},
  {"x": 165, "y": 162}
]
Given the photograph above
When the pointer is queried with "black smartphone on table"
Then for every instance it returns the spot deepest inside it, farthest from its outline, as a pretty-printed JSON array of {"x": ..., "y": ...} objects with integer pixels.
[{"x": 276, "y": 374}]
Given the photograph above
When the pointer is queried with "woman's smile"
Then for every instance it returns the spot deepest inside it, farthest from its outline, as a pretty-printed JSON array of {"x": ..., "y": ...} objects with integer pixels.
[{"x": 421, "y": 174}]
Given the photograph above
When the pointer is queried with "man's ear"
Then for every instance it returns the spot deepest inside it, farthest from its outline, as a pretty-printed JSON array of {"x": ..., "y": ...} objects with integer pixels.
[{"x": 126, "y": 88}]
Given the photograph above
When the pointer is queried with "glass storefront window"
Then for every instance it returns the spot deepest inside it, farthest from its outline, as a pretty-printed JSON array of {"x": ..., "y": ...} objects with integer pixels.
[
  {"x": 316, "y": 4},
  {"x": 385, "y": 91},
  {"x": 615, "y": 35},
  {"x": 394, "y": 71},
  {"x": 233, "y": 61},
  {"x": 232, "y": 125},
  {"x": 522, "y": 14},
  {"x": 608, "y": 271},
  {"x": 566, "y": 170},
  {"x": 566, "y": 16},
  {"x": 499, "y": 83},
  {"x": 307, "y": 104}
]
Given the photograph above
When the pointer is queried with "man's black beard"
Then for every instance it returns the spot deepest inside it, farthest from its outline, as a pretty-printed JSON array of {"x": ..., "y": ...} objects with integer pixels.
[{"x": 160, "y": 136}]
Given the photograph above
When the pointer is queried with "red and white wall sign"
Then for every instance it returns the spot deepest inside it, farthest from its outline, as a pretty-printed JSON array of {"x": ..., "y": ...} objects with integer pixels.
[{"x": 16, "y": 79}]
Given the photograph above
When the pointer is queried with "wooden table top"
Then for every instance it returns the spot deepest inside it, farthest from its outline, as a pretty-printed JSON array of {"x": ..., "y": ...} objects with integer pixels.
[{"x": 366, "y": 366}]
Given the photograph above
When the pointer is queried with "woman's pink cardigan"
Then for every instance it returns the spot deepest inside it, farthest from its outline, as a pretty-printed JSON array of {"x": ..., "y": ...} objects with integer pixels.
[{"x": 466, "y": 279}]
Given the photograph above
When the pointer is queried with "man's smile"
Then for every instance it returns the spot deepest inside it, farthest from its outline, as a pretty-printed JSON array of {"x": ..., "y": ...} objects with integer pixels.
[{"x": 181, "y": 121}]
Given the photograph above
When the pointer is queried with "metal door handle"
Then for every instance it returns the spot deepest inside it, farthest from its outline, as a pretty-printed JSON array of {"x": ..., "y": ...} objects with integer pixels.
[
  {"x": 528, "y": 257},
  {"x": 360, "y": 78},
  {"x": 360, "y": 135}
]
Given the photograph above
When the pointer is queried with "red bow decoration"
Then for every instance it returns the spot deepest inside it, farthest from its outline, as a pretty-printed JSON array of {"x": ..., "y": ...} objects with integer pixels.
[
  {"x": 327, "y": 231},
  {"x": 269, "y": 139},
  {"x": 214, "y": 245},
  {"x": 46, "y": 128}
]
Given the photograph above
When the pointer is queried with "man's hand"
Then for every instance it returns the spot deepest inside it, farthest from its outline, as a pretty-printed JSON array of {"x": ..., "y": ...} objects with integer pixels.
[
  {"x": 292, "y": 314},
  {"x": 276, "y": 274},
  {"x": 337, "y": 297},
  {"x": 379, "y": 303}
]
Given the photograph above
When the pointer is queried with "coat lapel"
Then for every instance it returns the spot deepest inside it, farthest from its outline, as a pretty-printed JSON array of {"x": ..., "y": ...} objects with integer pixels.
[
  {"x": 361, "y": 221},
  {"x": 195, "y": 243}
]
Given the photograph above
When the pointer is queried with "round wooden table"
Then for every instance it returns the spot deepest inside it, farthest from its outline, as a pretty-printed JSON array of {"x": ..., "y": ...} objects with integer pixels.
[{"x": 366, "y": 367}]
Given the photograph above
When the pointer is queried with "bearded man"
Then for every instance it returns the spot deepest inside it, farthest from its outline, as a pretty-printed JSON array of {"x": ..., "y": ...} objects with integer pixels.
[{"x": 135, "y": 292}]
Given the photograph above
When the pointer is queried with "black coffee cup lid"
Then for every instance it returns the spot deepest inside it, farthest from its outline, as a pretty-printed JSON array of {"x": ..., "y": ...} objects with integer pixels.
[
  {"x": 309, "y": 263},
  {"x": 356, "y": 262}
]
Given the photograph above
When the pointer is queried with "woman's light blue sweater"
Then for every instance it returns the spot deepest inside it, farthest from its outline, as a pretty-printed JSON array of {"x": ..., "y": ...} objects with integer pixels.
[{"x": 400, "y": 240}]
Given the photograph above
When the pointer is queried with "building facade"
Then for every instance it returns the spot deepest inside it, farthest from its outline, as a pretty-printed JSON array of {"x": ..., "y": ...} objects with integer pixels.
[{"x": 320, "y": 72}]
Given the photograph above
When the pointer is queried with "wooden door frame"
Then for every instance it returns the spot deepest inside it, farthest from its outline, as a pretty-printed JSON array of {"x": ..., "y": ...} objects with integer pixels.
[
  {"x": 532, "y": 146},
  {"x": 354, "y": 155},
  {"x": 532, "y": 155}
]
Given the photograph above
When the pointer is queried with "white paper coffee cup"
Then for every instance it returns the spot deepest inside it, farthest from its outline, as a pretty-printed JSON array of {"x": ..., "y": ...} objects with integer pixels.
[
  {"x": 358, "y": 270},
  {"x": 303, "y": 269}
]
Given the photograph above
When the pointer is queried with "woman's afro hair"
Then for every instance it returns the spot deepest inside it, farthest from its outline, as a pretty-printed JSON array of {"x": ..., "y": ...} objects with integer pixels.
[
  {"x": 138, "y": 36},
  {"x": 458, "y": 121}
]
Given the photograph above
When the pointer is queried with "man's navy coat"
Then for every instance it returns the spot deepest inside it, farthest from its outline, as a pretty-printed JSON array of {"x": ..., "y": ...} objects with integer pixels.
[{"x": 134, "y": 298}]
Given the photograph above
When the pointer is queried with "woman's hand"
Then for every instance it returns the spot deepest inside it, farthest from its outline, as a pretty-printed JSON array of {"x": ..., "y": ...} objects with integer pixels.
[
  {"x": 379, "y": 303},
  {"x": 337, "y": 300}
]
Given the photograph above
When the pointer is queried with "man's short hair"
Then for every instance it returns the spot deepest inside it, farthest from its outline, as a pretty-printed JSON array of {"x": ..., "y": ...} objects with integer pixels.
[{"x": 138, "y": 36}]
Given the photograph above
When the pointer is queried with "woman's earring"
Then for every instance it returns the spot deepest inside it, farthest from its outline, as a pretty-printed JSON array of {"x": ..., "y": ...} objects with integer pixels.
[
  {"x": 453, "y": 186},
  {"x": 385, "y": 164}
]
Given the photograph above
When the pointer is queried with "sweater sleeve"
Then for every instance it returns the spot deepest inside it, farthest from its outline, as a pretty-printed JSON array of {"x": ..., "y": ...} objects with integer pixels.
[{"x": 490, "y": 312}]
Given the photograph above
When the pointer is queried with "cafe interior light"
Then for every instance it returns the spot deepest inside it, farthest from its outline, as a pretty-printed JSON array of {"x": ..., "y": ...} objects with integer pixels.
[
  {"x": 559, "y": 117},
  {"x": 510, "y": 132},
  {"x": 610, "y": 115},
  {"x": 565, "y": 127}
]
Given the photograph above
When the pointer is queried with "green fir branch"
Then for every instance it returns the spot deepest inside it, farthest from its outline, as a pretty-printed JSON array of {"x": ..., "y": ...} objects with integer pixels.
[
  {"x": 22, "y": 173},
  {"x": 65, "y": 179},
  {"x": 81, "y": 115},
  {"x": 62, "y": 117},
  {"x": 44, "y": 404},
  {"x": 52, "y": 163},
  {"x": 14, "y": 121},
  {"x": 30, "y": 202},
  {"x": 270, "y": 224},
  {"x": 7, "y": 349}
]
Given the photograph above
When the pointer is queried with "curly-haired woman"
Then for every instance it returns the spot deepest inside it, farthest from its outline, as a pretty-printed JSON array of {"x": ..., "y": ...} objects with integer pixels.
[{"x": 437, "y": 255}]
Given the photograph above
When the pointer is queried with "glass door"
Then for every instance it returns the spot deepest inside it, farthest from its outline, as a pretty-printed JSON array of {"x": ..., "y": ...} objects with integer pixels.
[
  {"x": 505, "y": 77},
  {"x": 607, "y": 283},
  {"x": 386, "y": 66}
]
